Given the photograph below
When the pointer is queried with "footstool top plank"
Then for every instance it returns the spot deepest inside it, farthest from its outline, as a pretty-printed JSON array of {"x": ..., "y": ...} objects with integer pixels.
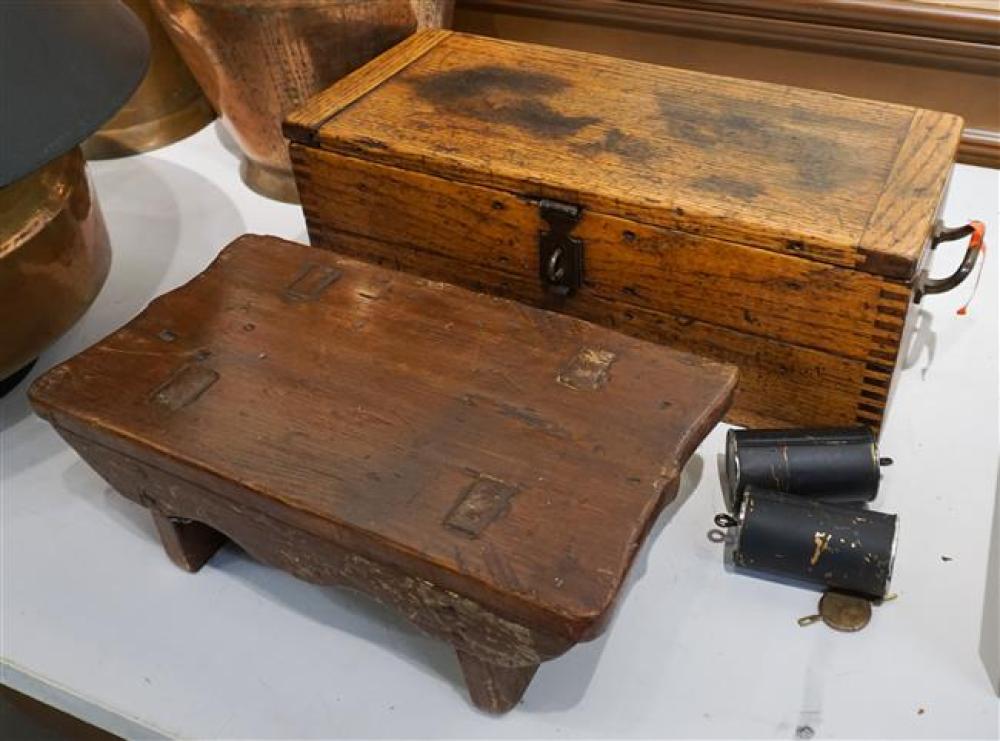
[{"x": 511, "y": 454}]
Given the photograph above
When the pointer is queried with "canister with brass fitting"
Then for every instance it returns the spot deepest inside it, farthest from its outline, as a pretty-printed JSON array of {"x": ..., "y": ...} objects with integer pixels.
[
  {"x": 837, "y": 464},
  {"x": 826, "y": 545}
]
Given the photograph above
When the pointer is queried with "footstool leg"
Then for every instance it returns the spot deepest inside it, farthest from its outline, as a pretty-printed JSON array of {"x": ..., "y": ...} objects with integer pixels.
[
  {"x": 495, "y": 689},
  {"x": 188, "y": 544}
]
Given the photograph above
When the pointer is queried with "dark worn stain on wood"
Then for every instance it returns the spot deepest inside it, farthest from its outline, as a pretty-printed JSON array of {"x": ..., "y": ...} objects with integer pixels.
[
  {"x": 500, "y": 94},
  {"x": 709, "y": 128},
  {"x": 617, "y": 142},
  {"x": 730, "y": 187},
  {"x": 588, "y": 370},
  {"x": 185, "y": 386},
  {"x": 818, "y": 162},
  {"x": 485, "y": 500},
  {"x": 461, "y": 84}
]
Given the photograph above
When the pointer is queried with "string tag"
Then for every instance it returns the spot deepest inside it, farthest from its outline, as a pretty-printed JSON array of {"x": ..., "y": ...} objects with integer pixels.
[{"x": 977, "y": 241}]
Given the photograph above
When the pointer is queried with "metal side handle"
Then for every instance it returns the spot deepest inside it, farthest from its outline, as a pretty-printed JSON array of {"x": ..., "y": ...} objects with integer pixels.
[{"x": 927, "y": 285}]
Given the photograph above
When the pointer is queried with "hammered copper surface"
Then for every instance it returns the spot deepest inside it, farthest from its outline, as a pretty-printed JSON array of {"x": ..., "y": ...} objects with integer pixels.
[
  {"x": 54, "y": 257},
  {"x": 168, "y": 105},
  {"x": 258, "y": 59}
]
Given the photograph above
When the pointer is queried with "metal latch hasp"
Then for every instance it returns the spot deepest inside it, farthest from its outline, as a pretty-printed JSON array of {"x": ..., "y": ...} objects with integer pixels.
[{"x": 560, "y": 254}]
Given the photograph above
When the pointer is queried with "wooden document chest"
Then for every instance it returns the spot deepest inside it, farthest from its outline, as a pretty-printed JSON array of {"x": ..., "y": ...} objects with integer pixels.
[
  {"x": 781, "y": 230},
  {"x": 486, "y": 468}
]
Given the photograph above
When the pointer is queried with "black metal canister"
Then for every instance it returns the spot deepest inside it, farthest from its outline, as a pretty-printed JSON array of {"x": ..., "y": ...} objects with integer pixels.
[
  {"x": 835, "y": 464},
  {"x": 827, "y": 545}
]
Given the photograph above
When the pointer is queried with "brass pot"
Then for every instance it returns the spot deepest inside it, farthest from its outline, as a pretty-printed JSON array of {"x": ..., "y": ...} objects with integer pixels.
[
  {"x": 167, "y": 107},
  {"x": 54, "y": 257},
  {"x": 259, "y": 59}
]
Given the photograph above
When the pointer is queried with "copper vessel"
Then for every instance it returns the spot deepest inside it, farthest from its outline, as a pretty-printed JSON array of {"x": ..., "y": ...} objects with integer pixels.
[
  {"x": 167, "y": 107},
  {"x": 54, "y": 257},
  {"x": 259, "y": 59}
]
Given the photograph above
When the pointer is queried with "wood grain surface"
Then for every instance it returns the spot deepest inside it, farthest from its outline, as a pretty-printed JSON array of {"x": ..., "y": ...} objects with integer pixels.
[
  {"x": 303, "y": 123},
  {"x": 758, "y": 292},
  {"x": 515, "y": 456},
  {"x": 498, "y": 656},
  {"x": 815, "y": 343},
  {"x": 785, "y": 169},
  {"x": 780, "y": 384},
  {"x": 767, "y": 226},
  {"x": 896, "y": 234}
]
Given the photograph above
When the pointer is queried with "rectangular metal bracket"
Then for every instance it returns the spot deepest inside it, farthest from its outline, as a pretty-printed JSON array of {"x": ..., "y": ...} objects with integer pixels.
[{"x": 560, "y": 255}]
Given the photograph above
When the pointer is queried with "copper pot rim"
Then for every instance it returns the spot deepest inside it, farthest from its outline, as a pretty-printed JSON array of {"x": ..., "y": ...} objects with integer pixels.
[{"x": 38, "y": 197}]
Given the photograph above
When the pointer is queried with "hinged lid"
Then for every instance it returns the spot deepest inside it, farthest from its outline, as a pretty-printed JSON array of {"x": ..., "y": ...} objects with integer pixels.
[{"x": 840, "y": 180}]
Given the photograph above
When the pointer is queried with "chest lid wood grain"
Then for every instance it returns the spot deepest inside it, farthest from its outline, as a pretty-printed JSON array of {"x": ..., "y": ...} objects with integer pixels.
[
  {"x": 503, "y": 451},
  {"x": 844, "y": 181}
]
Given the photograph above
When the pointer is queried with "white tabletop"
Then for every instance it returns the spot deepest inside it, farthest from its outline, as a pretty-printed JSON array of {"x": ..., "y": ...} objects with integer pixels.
[{"x": 97, "y": 621}]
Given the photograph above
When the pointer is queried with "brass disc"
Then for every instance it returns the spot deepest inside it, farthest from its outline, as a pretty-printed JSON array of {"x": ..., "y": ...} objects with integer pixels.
[{"x": 845, "y": 612}]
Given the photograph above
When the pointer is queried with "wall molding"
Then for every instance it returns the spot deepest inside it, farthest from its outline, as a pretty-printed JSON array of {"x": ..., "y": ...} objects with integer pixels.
[
  {"x": 898, "y": 31},
  {"x": 980, "y": 147}
]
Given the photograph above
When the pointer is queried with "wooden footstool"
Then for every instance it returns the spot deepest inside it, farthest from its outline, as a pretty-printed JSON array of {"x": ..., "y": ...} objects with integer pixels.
[{"x": 486, "y": 468}]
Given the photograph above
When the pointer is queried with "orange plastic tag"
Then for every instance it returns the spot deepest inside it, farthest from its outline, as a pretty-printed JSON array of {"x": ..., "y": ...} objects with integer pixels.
[{"x": 977, "y": 241}]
